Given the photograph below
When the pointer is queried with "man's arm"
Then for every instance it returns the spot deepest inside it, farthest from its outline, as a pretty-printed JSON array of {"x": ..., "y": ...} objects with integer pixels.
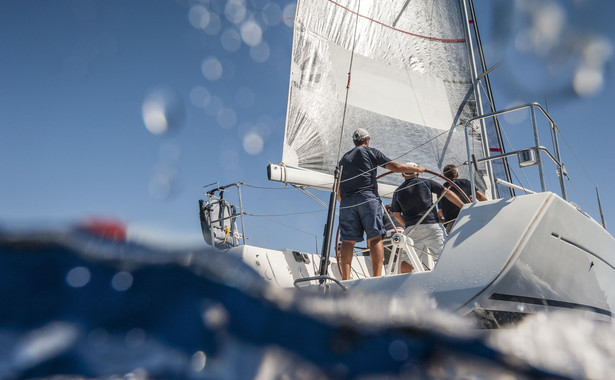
[
  {"x": 453, "y": 198},
  {"x": 440, "y": 216},
  {"x": 399, "y": 218},
  {"x": 398, "y": 167},
  {"x": 480, "y": 196}
]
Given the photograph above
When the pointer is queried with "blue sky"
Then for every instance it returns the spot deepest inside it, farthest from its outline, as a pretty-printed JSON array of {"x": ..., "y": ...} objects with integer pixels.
[{"x": 76, "y": 78}]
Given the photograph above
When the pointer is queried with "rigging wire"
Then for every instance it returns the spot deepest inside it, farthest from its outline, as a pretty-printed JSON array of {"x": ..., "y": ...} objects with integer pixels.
[
  {"x": 354, "y": 45},
  {"x": 577, "y": 159},
  {"x": 406, "y": 153},
  {"x": 282, "y": 215},
  {"x": 288, "y": 226}
]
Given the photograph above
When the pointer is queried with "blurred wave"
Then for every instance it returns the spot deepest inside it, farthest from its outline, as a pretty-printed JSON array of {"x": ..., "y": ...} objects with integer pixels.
[{"x": 75, "y": 302}]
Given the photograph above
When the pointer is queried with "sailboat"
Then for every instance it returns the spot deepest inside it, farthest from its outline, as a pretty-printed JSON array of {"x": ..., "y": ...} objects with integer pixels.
[{"x": 413, "y": 74}]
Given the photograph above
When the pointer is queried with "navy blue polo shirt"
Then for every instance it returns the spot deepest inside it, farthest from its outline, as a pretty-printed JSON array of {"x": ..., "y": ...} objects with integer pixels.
[
  {"x": 357, "y": 174},
  {"x": 414, "y": 197},
  {"x": 449, "y": 210}
]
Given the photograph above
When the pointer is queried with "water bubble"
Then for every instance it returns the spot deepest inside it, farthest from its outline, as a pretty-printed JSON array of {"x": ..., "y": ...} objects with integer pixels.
[
  {"x": 253, "y": 143},
  {"x": 214, "y": 106},
  {"x": 135, "y": 337},
  {"x": 78, "y": 277},
  {"x": 199, "y": 359},
  {"x": 398, "y": 350},
  {"x": 598, "y": 52},
  {"x": 271, "y": 14},
  {"x": 212, "y": 69},
  {"x": 245, "y": 97},
  {"x": 214, "y": 26},
  {"x": 98, "y": 336},
  {"x": 199, "y": 17},
  {"x": 164, "y": 182},
  {"x": 251, "y": 33},
  {"x": 260, "y": 4},
  {"x": 260, "y": 53},
  {"x": 122, "y": 281},
  {"x": 549, "y": 21},
  {"x": 589, "y": 76},
  {"x": 162, "y": 111},
  {"x": 288, "y": 15},
  {"x": 588, "y": 81},
  {"x": 235, "y": 11},
  {"x": 215, "y": 316},
  {"x": 227, "y": 118},
  {"x": 231, "y": 40},
  {"x": 199, "y": 96}
]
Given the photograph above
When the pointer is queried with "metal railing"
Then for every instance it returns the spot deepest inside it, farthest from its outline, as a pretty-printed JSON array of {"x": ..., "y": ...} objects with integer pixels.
[{"x": 537, "y": 148}]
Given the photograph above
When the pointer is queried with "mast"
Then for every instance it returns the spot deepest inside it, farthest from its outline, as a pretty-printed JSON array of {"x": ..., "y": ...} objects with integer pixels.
[
  {"x": 326, "y": 244},
  {"x": 477, "y": 96},
  {"x": 488, "y": 91}
]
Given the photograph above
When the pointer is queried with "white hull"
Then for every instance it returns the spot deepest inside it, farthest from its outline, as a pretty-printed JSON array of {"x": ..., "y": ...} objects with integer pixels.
[{"x": 502, "y": 260}]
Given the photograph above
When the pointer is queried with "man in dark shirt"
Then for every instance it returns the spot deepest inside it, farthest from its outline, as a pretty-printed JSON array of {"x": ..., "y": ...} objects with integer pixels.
[
  {"x": 448, "y": 212},
  {"x": 360, "y": 206},
  {"x": 411, "y": 201}
]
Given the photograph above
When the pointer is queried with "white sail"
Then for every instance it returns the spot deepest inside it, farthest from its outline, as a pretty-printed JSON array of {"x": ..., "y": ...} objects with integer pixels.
[{"x": 410, "y": 82}]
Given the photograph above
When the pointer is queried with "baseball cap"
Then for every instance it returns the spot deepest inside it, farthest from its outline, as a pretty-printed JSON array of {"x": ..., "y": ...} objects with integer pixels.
[
  {"x": 359, "y": 134},
  {"x": 411, "y": 164}
]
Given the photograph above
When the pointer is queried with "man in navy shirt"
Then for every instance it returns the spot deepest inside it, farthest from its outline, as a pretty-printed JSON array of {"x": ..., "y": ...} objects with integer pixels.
[
  {"x": 360, "y": 206},
  {"x": 448, "y": 212},
  {"x": 411, "y": 201}
]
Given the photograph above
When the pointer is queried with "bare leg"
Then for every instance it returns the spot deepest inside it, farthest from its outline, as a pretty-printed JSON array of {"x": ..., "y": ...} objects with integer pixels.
[
  {"x": 346, "y": 253},
  {"x": 376, "y": 251},
  {"x": 406, "y": 267}
]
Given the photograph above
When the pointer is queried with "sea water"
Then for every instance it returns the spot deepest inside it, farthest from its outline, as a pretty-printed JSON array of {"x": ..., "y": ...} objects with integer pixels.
[{"x": 76, "y": 305}]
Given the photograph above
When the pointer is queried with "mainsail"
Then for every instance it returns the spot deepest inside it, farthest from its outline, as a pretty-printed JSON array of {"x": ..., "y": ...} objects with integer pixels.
[{"x": 398, "y": 68}]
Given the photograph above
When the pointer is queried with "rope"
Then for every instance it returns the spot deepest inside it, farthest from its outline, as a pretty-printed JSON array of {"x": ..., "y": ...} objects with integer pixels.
[{"x": 227, "y": 231}]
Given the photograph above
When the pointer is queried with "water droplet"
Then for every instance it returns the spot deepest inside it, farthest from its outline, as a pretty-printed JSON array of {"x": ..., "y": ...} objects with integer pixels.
[
  {"x": 199, "y": 96},
  {"x": 78, "y": 277},
  {"x": 214, "y": 26},
  {"x": 214, "y": 106},
  {"x": 199, "y": 359},
  {"x": 230, "y": 40},
  {"x": 398, "y": 350},
  {"x": 227, "y": 118},
  {"x": 162, "y": 111},
  {"x": 215, "y": 317},
  {"x": 135, "y": 337},
  {"x": 212, "y": 69},
  {"x": 271, "y": 14},
  {"x": 122, "y": 281},
  {"x": 251, "y": 33},
  {"x": 288, "y": 15},
  {"x": 199, "y": 17},
  {"x": 253, "y": 143},
  {"x": 235, "y": 11},
  {"x": 260, "y": 53}
]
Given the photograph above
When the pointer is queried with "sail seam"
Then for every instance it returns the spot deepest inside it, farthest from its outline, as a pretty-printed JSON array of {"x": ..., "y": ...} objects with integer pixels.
[{"x": 445, "y": 40}]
